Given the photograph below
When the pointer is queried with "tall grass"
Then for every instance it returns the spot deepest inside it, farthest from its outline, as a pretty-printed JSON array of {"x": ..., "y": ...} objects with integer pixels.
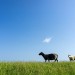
[{"x": 37, "y": 68}]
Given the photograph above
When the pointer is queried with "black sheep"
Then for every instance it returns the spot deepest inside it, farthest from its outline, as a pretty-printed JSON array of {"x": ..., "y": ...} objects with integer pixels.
[{"x": 49, "y": 57}]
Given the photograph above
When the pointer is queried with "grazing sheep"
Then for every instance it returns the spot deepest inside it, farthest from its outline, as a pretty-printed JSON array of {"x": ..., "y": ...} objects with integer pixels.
[
  {"x": 49, "y": 57},
  {"x": 71, "y": 58}
]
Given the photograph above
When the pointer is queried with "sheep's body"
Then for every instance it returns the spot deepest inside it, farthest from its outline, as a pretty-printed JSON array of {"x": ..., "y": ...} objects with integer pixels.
[
  {"x": 71, "y": 58},
  {"x": 49, "y": 57}
]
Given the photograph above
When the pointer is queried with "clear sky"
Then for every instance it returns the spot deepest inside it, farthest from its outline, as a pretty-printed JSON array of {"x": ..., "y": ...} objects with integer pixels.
[{"x": 28, "y": 27}]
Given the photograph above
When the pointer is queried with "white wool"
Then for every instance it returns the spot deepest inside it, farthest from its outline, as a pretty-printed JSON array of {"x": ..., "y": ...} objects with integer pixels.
[{"x": 71, "y": 57}]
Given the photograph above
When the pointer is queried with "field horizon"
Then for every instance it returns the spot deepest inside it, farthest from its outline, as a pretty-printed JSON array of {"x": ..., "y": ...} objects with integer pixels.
[{"x": 37, "y": 68}]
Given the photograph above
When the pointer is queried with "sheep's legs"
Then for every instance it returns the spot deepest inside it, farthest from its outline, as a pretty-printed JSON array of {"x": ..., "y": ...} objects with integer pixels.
[
  {"x": 45, "y": 60},
  {"x": 48, "y": 60},
  {"x": 56, "y": 60}
]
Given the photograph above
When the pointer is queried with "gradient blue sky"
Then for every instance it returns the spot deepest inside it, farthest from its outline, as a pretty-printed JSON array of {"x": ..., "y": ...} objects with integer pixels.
[{"x": 25, "y": 24}]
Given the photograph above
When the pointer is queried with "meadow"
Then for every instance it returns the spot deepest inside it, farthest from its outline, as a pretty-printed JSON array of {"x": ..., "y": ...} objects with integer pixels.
[{"x": 37, "y": 68}]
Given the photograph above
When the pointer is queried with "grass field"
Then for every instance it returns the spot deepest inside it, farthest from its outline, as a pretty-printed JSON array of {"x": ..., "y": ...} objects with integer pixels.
[{"x": 37, "y": 68}]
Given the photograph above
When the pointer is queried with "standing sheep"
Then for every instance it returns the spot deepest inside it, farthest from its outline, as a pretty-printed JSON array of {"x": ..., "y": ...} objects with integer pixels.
[
  {"x": 71, "y": 58},
  {"x": 49, "y": 57}
]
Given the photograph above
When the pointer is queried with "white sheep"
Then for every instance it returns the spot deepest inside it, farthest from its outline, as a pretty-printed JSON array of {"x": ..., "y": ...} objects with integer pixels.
[{"x": 71, "y": 58}]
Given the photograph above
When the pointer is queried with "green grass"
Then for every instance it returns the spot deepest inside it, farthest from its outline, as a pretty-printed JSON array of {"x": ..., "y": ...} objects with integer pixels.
[{"x": 37, "y": 68}]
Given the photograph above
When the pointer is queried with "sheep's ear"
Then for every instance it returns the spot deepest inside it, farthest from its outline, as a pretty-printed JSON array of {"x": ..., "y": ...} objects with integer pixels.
[{"x": 68, "y": 55}]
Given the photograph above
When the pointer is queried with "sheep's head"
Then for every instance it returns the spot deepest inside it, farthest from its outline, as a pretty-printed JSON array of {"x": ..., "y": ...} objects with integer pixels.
[
  {"x": 41, "y": 53},
  {"x": 69, "y": 55}
]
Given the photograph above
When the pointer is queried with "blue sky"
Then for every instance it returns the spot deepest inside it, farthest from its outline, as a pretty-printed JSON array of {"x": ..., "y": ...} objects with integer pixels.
[{"x": 28, "y": 27}]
